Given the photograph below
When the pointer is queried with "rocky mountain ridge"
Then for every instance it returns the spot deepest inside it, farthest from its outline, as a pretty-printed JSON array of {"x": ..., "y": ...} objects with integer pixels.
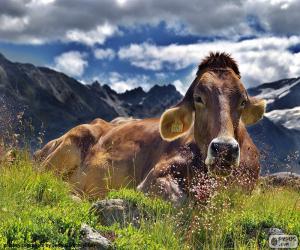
[
  {"x": 278, "y": 134},
  {"x": 57, "y": 102}
]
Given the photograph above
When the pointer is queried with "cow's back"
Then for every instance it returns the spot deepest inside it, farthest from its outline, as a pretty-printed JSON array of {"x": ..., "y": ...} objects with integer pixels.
[
  {"x": 126, "y": 153},
  {"x": 102, "y": 155}
]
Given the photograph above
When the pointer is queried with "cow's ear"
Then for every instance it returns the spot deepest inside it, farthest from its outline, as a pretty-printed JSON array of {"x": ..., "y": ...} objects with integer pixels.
[
  {"x": 175, "y": 122},
  {"x": 254, "y": 111}
]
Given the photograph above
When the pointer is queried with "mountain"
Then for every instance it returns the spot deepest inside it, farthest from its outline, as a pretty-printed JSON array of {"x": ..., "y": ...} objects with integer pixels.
[
  {"x": 53, "y": 102},
  {"x": 278, "y": 134},
  {"x": 56, "y": 102}
]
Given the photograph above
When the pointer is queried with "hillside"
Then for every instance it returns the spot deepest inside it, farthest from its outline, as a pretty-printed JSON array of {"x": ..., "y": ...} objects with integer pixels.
[
  {"x": 278, "y": 134},
  {"x": 56, "y": 102}
]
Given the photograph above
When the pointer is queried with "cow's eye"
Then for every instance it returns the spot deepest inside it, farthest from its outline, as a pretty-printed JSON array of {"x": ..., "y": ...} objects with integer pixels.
[
  {"x": 198, "y": 99},
  {"x": 243, "y": 103}
]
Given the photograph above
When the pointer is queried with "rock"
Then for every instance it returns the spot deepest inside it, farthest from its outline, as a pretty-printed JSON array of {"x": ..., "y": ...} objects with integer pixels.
[
  {"x": 116, "y": 210},
  {"x": 283, "y": 179},
  {"x": 91, "y": 238}
]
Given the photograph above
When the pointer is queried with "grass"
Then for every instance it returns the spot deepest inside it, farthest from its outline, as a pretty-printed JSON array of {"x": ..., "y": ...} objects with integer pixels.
[{"x": 36, "y": 210}]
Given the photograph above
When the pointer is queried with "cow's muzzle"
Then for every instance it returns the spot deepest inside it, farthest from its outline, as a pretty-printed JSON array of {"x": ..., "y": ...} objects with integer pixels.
[{"x": 223, "y": 154}]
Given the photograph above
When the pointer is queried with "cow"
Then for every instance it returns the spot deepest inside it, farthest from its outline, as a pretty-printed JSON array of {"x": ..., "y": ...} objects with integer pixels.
[{"x": 203, "y": 135}]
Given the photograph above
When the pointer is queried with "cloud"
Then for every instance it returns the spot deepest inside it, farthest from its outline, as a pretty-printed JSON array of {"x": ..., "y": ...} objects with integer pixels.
[
  {"x": 41, "y": 2},
  {"x": 13, "y": 8},
  {"x": 150, "y": 56},
  {"x": 9, "y": 23},
  {"x": 52, "y": 20},
  {"x": 121, "y": 83},
  {"x": 278, "y": 17},
  {"x": 261, "y": 60},
  {"x": 92, "y": 37},
  {"x": 104, "y": 54},
  {"x": 94, "y": 21},
  {"x": 183, "y": 84},
  {"x": 72, "y": 63}
]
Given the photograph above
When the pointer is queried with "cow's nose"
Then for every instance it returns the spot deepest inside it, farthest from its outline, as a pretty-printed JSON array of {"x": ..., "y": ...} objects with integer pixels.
[{"x": 225, "y": 149}]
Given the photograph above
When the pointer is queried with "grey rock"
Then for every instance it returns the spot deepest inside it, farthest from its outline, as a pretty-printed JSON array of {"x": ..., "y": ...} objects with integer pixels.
[
  {"x": 116, "y": 210},
  {"x": 92, "y": 239},
  {"x": 283, "y": 179}
]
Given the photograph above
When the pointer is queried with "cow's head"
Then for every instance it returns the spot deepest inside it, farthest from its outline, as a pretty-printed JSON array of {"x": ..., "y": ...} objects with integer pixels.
[{"x": 214, "y": 108}]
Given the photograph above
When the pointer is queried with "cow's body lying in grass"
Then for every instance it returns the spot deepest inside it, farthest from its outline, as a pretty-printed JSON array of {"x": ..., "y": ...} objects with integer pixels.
[{"x": 203, "y": 135}]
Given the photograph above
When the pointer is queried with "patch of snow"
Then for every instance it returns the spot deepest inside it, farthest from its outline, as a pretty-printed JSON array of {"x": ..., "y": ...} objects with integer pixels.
[
  {"x": 142, "y": 101},
  {"x": 289, "y": 118},
  {"x": 271, "y": 94}
]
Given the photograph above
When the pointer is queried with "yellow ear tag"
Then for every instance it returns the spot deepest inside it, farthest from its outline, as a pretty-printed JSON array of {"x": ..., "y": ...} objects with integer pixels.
[{"x": 177, "y": 127}]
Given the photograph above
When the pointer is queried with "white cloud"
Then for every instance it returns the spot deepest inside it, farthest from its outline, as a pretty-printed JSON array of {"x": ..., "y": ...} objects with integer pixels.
[
  {"x": 182, "y": 85},
  {"x": 92, "y": 37},
  {"x": 121, "y": 83},
  {"x": 150, "y": 56},
  {"x": 260, "y": 60},
  {"x": 72, "y": 63},
  {"x": 41, "y": 2},
  {"x": 121, "y": 3},
  {"x": 104, "y": 54},
  {"x": 10, "y": 23}
]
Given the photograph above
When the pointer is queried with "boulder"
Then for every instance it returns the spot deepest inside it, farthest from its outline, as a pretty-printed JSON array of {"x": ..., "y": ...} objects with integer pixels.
[
  {"x": 92, "y": 239},
  {"x": 116, "y": 210},
  {"x": 283, "y": 179}
]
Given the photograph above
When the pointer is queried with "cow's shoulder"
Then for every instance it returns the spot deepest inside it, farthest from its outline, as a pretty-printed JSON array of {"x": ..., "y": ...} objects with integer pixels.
[
  {"x": 180, "y": 158},
  {"x": 174, "y": 171}
]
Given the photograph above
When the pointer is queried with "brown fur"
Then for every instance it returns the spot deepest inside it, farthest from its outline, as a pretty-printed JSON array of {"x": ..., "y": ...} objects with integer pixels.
[
  {"x": 218, "y": 61},
  {"x": 99, "y": 156}
]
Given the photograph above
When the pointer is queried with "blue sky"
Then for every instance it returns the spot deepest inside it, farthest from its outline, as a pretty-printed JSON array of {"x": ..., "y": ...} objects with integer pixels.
[{"x": 131, "y": 43}]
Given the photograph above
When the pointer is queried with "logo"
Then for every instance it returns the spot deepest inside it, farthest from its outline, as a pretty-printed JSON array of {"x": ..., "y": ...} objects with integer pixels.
[{"x": 283, "y": 241}]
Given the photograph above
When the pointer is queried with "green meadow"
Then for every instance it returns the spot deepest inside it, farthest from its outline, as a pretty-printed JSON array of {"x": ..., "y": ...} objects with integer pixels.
[{"x": 37, "y": 211}]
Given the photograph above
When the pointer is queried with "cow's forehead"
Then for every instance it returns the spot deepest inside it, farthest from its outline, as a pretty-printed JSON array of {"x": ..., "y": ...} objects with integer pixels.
[{"x": 226, "y": 80}]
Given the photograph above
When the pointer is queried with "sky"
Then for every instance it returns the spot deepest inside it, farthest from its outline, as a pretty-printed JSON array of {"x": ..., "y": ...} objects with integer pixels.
[{"x": 131, "y": 43}]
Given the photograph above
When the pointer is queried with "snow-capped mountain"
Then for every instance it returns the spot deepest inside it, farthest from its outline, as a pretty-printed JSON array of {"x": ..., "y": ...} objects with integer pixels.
[{"x": 278, "y": 134}]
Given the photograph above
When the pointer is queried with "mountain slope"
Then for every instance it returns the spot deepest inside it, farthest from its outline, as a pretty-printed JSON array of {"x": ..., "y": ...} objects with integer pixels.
[
  {"x": 59, "y": 102},
  {"x": 278, "y": 134}
]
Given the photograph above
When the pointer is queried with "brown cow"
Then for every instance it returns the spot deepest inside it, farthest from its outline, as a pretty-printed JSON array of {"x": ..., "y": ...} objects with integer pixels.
[{"x": 203, "y": 135}]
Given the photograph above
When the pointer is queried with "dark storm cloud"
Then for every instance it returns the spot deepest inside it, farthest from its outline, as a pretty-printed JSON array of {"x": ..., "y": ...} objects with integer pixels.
[
  {"x": 13, "y": 7},
  {"x": 283, "y": 19}
]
